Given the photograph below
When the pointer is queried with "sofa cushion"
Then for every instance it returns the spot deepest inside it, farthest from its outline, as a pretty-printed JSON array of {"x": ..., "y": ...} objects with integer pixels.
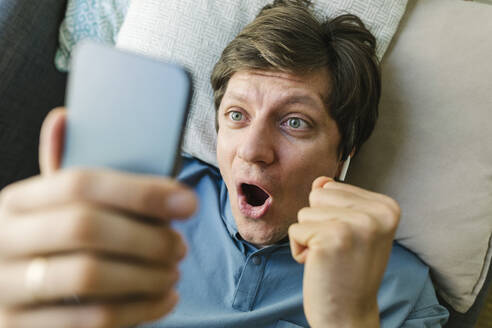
[
  {"x": 432, "y": 147},
  {"x": 431, "y": 150}
]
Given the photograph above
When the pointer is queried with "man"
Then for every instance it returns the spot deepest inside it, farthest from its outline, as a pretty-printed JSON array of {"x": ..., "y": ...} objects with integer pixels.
[{"x": 275, "y": 242}]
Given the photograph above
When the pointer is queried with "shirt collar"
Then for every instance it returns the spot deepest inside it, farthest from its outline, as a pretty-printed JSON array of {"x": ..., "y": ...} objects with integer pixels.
[{"x": 226, "y": 211}]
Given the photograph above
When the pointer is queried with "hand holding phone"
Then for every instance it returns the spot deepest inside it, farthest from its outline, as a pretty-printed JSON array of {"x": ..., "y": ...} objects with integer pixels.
[{"x": 80, "y": 228}]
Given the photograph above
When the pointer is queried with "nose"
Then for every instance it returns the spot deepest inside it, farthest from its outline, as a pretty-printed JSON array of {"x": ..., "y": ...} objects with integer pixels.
[{"x": 257, "y": 144}]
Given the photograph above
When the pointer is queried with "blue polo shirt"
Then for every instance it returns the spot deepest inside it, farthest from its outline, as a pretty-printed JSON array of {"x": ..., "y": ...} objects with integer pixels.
[{"x": 227, "y": 282}]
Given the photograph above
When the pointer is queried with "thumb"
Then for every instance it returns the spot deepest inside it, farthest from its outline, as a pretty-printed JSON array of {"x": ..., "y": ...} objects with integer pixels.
[
  {"x": 300, "y": 234},
  {"x": 51, "y": 140}
]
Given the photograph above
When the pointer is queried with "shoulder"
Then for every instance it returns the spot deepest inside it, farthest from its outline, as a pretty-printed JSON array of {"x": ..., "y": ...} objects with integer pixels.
[
  {"x": 404, "y": 263},
  {"x": 407, "y": 293},
  {"x": 404, "y": 278},
  {"x": 193, "y": 170}
]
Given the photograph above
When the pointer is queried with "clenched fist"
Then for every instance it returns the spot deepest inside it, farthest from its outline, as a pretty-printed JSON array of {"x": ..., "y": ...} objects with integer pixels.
[{"x": 344, "y": 238}]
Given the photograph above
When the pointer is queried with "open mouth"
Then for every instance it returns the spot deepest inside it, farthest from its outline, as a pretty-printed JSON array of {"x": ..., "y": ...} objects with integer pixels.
[
  {"x": 255, "y": 196},
  {"x": 254, "y": 201}
]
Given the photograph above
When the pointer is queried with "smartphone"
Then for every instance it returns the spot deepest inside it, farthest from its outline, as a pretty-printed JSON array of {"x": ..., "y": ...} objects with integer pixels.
[{"x": 124, "y": 111}]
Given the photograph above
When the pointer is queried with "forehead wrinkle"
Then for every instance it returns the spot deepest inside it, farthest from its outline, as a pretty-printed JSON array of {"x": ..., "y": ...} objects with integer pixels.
[
  {"x": 308, "y": 100},
  {"x": 241, "y": 90},
  {"x": 294, "y": 98},
  {"x": 246, "y": 92},
  {"x": 276, "y": 74}
]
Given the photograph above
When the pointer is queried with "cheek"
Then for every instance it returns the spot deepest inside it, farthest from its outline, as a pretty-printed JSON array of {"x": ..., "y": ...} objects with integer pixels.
[
  {"x": 308, "y": 162},
  {"x": 225, "y": 154}
]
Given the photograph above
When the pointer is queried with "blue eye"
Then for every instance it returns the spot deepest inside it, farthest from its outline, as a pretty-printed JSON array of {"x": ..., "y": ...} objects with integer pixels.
[
  {"x": 296, "y": 123},
  {"x": 235, "y": 116}
]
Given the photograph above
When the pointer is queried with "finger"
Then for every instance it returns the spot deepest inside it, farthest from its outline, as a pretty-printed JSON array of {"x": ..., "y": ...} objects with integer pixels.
[
  {"x": 51, "y": 141},
  {"x": 308, "y": 236},
  {"x": 85, "y": 228},
  {"x": 362, "y": 226},
  {"x": 300, "y": 236},
  {"x": 319, "y": 182},
  {"x": 328, "y": 183},
  {"x": 90, "y": 315},
  {"x": 88, "y": 277},
  {"x": 345, "y": 198},
  {"x": 146, "y": 195},
  {"x": 326, "y": 213}
]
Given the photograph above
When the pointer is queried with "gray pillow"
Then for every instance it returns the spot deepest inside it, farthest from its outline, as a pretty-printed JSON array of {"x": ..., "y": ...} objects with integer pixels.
[{"x": 194, "y": 33}]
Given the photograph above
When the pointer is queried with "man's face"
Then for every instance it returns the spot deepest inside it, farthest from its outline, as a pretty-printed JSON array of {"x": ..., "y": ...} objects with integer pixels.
[{"x": 275, "y": 137}]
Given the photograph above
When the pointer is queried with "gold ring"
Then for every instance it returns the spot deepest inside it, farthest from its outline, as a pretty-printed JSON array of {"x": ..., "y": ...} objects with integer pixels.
[{"x": 35, "y": 273}]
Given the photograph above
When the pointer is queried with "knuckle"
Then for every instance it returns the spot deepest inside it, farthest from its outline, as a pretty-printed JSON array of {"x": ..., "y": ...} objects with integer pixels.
[
  {"x": 103, "y": 316},
  {"x": 170, "y": 278},
  {"x": 180, "y": 245},
  {"x": 292, "y": 229},
  {"x": 86, "y": 274},
  {"x": 75, "y": 182},
  {"x": 80, "y": 227},
  {"x": 392, "y": 205},
  {"x": 372, "y": 230},
  {"x": 159, "y": 310},
  {"x": 381, "y": 209},
  {"x": 362, "y": 216},
  {"x": 343, "y": 237},
  {"x": 392, "y": 213},
  {"x": 10, "y": 195},
  {"x": 395, "y": 206},
  {"x": 6, "y": 195},
  {"x": 315, "y": 196},
  {"x": 393, "y": 224},
  {"x": 301, "y": 214},
  {"x": 149, "y": 197},
  {"x": 172, "y": 244}
]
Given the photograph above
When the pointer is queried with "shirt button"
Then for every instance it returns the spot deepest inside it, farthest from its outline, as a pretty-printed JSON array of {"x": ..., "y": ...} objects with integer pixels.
[{"x": 256, "y": 260}]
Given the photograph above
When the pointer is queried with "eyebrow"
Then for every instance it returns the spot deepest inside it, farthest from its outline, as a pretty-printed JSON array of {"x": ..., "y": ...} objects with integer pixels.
[
  {"x": 286, "y": 101},
  {"x": 299, "y": 99},
  {"x": 237, "y": 96}
]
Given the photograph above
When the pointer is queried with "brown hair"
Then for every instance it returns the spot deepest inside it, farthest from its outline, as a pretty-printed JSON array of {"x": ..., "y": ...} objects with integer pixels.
[{"x": 287, "y": 36}]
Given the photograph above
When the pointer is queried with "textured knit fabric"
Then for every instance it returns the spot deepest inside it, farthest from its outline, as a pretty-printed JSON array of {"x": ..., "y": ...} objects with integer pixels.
[{"x": 194, "y": 33}]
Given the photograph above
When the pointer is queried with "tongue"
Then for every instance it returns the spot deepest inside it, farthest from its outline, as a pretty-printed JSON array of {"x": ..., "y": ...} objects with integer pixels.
[{"x": 255, "y": 196}]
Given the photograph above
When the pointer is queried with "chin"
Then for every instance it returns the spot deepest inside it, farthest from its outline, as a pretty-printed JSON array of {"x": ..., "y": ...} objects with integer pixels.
[
  {"x": 260, "y": 234},
  {"x": 258, "y": 216}
]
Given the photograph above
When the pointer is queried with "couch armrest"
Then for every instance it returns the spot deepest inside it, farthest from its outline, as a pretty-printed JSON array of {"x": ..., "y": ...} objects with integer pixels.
[{"x": 30, "y": 85}]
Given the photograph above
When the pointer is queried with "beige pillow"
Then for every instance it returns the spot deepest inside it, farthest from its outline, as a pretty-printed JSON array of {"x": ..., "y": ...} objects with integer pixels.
[{"x": 432, "y": 147}]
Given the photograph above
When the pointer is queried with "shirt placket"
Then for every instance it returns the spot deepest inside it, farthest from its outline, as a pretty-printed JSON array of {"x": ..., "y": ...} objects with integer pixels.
[{"x": 250, "y": 281}]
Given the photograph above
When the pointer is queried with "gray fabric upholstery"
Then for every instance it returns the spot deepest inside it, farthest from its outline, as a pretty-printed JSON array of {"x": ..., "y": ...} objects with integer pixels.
[
  {"x": 29, "y": 85},
  {"x": 469, "y": 319}
]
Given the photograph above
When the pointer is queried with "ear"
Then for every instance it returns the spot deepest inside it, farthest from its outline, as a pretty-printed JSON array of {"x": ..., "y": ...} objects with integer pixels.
[{"x": 51, "y": 141}]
